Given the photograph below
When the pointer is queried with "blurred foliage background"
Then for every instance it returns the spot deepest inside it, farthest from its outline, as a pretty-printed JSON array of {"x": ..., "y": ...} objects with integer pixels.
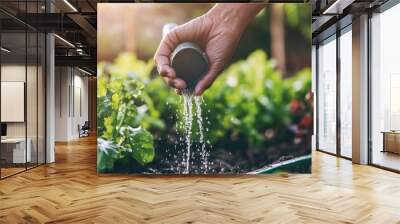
[
  {"x": 258, "y": 111},
  {"x": 283, "y": 30}
]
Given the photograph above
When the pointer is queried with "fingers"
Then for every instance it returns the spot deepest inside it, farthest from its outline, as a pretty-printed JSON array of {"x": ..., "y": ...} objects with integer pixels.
[
  {"x": 161, "y": 57},
  {"x": 175, "y": 82},
  {"x": 166, "y": 70},
  {"x": 208, "y": 79},
  {"x": 163, "y": 67},
  {"x": 179, "y": 83},
  {"x": 168, "y": 43}
]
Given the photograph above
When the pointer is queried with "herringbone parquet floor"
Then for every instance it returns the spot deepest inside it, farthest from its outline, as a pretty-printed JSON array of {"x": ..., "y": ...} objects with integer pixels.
[{"x": 70, "y": 191}]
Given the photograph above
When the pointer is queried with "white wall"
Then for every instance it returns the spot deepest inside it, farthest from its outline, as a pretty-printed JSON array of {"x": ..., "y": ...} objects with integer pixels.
[
  {"x": 79, "y": 117},
  {"x": 70, "y": 83},
  {"x": 62, "y": 81}
]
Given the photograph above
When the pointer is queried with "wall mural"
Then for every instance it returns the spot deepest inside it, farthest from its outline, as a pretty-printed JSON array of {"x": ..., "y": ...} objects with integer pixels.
[{"x": 204, "y": 88}]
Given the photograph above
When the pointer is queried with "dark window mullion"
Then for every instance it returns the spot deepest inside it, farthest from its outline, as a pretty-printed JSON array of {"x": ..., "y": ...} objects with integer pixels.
[
  {"x": 26, "y": 87},
  {"x": 37, "y": 90},
  {"x": 45, "y": 88},
  {"x": 369, "y": 100},
  {"x": 317, "y": 97},
  {"x": 338, "y": 77}
]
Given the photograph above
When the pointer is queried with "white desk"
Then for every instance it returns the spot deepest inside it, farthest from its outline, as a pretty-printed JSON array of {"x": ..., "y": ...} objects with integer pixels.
[{"x": 19, "y": 155}]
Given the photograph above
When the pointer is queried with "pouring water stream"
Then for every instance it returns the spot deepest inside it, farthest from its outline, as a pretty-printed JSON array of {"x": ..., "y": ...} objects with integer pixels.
[{"x": 190, "y": 63}]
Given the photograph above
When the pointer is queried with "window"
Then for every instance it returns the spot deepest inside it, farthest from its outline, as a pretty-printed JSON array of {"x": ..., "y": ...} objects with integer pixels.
[
  {"x": 327, "y": 95},
  {"x": 385, "y": 89},
  {"x": 346, "y": 95}
]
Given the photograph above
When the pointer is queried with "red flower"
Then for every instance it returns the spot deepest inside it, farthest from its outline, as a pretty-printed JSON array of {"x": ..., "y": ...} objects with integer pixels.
[
  {"x": 306, "y": 122},
  {"x": 296, "y": 107}
]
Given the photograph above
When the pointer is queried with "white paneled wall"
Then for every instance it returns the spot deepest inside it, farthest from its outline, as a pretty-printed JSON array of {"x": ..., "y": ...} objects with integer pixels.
[{"x": 71, "y": 102}]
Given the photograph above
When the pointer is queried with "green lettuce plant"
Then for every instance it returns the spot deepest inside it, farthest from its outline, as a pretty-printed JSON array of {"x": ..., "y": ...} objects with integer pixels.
[
  {"x": 123, "y": 115},
  {"x": 249, "y": 107},
  {"x": 250, "y": 99}
]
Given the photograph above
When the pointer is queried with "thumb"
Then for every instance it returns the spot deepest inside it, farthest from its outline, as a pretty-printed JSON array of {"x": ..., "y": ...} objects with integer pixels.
[{"x": 208, "y": 79}]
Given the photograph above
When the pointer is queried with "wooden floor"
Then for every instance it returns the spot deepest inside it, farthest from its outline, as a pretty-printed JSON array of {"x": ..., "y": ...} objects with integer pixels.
[
  {"x": 10, "y": 171},
  {"x": 70, "y": 191},
  {"x": 386, "y": 159}
]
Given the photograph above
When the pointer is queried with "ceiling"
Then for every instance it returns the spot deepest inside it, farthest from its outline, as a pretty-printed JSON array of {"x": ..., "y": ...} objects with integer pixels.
[
  {"x": 330, "y": 15},
  {"x": 75, "y": 21}
]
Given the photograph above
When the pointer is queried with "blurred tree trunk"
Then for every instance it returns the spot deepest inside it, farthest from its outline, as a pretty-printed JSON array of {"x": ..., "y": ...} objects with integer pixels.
[
  {"x": 129, "y": 24},
  {"x": 278, "y": 36}
]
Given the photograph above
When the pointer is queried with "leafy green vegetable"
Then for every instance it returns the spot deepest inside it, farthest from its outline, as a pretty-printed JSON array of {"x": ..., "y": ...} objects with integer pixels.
[
  {"x": 139, "y": 143},
  {"x": 122, "y": 113},
  {"x": 105, "y": 155},
  {"x": 250, "y": 106}
]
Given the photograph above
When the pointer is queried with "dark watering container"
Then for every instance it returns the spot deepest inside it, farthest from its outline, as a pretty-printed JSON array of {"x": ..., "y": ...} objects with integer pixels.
[{"x": 189, "y": 61}]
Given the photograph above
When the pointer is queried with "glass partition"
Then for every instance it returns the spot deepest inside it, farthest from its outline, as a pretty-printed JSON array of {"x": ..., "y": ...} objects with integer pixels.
[
  {"x": 32, "y": 97},
  {"x": 14, "y": 153},
  {"x": 23, "y": 91},
  {"x": 33, "y": 72},
  {"x": 327, "y": 95}
]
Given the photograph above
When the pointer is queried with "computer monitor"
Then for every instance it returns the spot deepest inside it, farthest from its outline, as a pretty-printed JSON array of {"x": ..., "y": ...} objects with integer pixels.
[{"x": 3, "y": 129}]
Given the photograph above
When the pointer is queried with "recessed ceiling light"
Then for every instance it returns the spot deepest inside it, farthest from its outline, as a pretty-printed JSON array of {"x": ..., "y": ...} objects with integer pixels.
[
  {"x": 5, "y": 50},
  {"x": 337, "y": 7},
  {"x": 70, "y": 5},
  {"x": 64, "y": 40},
  {"x": 84, "y": 71}
]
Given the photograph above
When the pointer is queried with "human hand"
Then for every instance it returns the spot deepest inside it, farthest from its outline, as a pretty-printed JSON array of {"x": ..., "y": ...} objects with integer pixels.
[{"x": 216, "y": 32}]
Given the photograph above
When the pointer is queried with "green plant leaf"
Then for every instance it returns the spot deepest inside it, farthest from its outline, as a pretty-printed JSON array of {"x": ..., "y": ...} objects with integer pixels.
[
  {"x": 138, "y": 144},
  {"x": 106, "y": 154}
]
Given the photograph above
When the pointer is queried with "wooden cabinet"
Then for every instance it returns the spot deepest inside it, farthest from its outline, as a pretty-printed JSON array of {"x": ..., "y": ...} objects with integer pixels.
[{"x": 391, "y": 142}]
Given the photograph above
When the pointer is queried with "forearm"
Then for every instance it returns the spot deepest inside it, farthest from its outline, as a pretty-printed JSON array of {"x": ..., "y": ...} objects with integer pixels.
[{"x": 237, "y": 15}]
